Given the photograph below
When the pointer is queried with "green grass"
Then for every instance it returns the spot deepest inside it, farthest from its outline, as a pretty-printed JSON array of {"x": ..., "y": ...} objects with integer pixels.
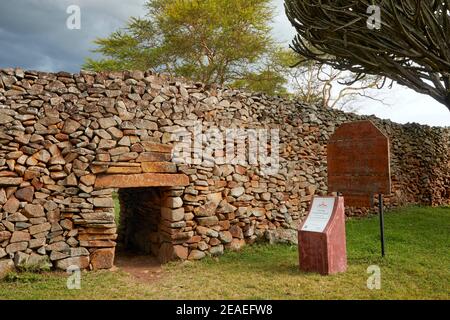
[{"x": 416, "y": 267}]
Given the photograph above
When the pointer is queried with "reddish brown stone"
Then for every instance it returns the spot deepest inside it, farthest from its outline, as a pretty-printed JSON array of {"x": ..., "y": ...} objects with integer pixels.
[
  {"x": 61, "y": 137},
  {"x": 141, "y": 180},
  {"x": 154, "y": 157},
  {"x": 25, "y": 194},
  {"x": 98, "y": 231},
  {"x": 3, "y": 197},
  {"x": 70, "y": 126},
  {"x": 6, "y": 182},
  {"x": 42, "y": 155},
  {"x": 137, "y": 148},
  {"x": 53, "y": 216},
  {"x": 88, "y": 180},
  {"x": 240, "y": 169},
  {"x": 156, "y": 147},
  {"x": 4, "y": 235},
  {"x": 40, "y": 228},
  {"x": 7, "y": 174},
  {"x": 236, "y": 232},
  {"x": 19, "y": 236},
  {"x": 33, "y": 211},
  {"x": 161, "y": 167},
  {"x": 71, "y": 180},
  {"x": 118, "y": 151},
  {"x": 220, "y": 183},
  {"x": 236, "y": 244},
  {"x": 12, "y": 205},
  {"x": 98, "y": 244},
  {"x": 124, "y": 170},
  {"x": 105, "y": 157},
  {"x": 37, "y": 184},
  {"x": 103, "y": 258},
  {"x": 232, "y": 184},
  {"x": 214, "y": 242},
  {"x": 224, "y": 224},
  {"x": 195, "y": 239},
  {"x": 30, "y": 175},
  {"x": 181, "y": 252},
  {"x": 99, "y": 168},
  {"x": 17, "y": 246},
  {"x": 90, "y": 237}
]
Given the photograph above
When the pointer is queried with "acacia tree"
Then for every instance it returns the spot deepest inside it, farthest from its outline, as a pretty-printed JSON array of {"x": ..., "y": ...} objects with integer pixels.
[
  {"x": 212, "y": 41},
  {"x": 411, "y": 47}
]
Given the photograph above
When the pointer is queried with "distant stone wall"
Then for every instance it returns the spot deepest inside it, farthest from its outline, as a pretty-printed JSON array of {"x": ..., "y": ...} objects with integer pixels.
[{"x": 69, "y": 140}]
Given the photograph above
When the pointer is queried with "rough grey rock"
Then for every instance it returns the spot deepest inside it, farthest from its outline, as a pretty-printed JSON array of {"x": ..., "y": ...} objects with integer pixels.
[{"x": 286, "y": 236}]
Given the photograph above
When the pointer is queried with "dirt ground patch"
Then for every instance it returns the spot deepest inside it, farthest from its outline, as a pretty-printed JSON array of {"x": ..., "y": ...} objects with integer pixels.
[{"x": 144, "y": 268}]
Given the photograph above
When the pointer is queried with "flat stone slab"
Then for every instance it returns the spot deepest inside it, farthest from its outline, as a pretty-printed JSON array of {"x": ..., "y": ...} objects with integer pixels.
[
  {"x": 158, "y": 167},
  {"x": 141, "y": 180},
  {"x": 7, "y": 182}
]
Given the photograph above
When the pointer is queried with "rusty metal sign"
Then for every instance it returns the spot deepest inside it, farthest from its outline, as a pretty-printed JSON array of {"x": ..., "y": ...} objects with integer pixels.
[{"x": 358, "y": 158}]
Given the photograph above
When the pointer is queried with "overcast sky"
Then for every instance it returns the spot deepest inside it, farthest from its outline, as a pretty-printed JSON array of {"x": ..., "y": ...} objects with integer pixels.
[{"x": 33, "y": 35}]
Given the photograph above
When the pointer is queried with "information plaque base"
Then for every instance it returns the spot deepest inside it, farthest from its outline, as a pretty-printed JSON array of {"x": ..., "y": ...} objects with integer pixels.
[{"x": 321, "y": 237}]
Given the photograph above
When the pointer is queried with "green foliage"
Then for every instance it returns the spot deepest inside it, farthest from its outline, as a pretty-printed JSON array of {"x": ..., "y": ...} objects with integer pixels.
[
  {"x": 273, "y": 73},
  {"x": 35, "y": 268},
  {"x": 267, "y": 81},
  {"x": 213, "y": 41},
  {"x": 22, "y": 277}
]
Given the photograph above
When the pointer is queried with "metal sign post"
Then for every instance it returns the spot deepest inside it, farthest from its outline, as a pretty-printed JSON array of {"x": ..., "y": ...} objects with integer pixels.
[{"x": 381, "y": 212}]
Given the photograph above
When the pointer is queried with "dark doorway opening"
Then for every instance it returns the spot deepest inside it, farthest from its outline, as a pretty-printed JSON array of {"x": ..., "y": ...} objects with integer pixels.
[
  {"x": 140, "y": 215},
  {"x": 138, "y": 244}
]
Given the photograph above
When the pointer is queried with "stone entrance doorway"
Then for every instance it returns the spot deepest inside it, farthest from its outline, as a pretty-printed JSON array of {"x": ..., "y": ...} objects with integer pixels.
[
  {"x": 145, "y": 209},
  {"x": 140, "y": 217},
  {"x": 149, "y": 204}
]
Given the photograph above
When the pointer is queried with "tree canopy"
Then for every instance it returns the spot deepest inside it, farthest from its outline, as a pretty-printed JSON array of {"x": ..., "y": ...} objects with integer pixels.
[
  {"x": 212, "y": 41},
  {"x": 411, "y": 47}
]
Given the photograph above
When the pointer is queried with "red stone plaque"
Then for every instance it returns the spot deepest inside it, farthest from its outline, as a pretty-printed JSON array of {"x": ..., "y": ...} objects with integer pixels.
[
  {"x": 321, "y": 237},
  {"x": 359, "y": 162}
]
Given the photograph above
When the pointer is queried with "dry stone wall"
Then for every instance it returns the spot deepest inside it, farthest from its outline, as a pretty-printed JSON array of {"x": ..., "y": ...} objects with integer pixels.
[{"x": 68, "y": 141}]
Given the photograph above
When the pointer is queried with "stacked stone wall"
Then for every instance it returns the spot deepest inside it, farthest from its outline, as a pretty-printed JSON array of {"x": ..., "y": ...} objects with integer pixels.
[{"x": 68, "y": 141}]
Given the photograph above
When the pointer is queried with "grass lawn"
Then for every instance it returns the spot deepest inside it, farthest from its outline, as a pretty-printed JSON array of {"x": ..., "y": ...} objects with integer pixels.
[{"x": 417, "y": 266}]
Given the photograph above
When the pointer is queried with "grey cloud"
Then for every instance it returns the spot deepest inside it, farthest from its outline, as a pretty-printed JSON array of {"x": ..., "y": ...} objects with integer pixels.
[{"x": 33, "y": 34}]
